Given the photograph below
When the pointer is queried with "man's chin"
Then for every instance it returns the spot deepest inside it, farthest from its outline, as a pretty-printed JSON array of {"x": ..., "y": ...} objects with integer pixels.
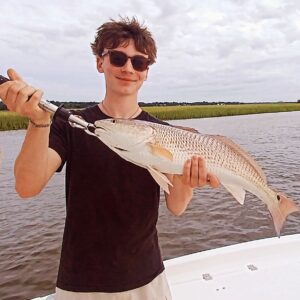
[{"x": 127, "y": 92}]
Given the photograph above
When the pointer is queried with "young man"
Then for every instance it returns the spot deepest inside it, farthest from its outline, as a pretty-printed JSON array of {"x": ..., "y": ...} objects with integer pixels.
[{"x": 110, "y": 247}]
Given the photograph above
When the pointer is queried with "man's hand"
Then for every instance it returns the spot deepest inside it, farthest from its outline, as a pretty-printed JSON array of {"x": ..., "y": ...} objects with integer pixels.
[
  {"x": 195, "y": 174},
  {"x": 22, "y": 98}
]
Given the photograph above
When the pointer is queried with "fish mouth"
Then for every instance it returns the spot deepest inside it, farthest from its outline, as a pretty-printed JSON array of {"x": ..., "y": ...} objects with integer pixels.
[
  {"x": 102, "y": 123},
  {"x": 98, "y": 126}
]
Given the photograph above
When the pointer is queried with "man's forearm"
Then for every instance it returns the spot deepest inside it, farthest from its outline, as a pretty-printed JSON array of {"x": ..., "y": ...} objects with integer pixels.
[
  {"x": 32, "y": 162},
  {"x": 179, "y": 197}
]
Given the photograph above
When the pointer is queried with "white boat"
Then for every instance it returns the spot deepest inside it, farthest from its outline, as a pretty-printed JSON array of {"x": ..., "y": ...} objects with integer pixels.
[{"x": 262, "y": 269}]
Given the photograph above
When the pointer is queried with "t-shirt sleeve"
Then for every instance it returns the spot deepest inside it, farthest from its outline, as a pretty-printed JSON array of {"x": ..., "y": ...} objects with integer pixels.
[
  {"x": 58, "y": 140},
  {"x": 150, "y": 118}
]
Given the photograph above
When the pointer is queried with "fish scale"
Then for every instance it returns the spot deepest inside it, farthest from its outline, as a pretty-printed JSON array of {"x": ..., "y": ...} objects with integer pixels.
[
  {"x": 184, "y": 146},
  {"x": 207, "y": 147}
]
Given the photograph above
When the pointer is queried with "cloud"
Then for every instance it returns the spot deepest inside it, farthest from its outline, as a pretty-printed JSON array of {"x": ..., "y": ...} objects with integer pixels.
[{"x": 207, "y": 50}]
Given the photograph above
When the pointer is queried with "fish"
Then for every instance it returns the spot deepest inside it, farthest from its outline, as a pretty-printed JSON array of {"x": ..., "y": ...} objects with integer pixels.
[{"x": 163, "y": 149}]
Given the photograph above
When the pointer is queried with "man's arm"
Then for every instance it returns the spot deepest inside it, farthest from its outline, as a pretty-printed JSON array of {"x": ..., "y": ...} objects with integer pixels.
[
  {"x": 194, "y": 175},
  {"x": 36, "y": 163}
]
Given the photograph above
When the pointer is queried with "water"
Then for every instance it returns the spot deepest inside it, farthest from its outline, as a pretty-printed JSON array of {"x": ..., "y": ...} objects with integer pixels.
[{"x": 31, "y": 230}]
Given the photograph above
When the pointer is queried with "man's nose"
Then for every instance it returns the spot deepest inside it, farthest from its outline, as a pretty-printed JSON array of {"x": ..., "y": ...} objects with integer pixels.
[{"x": 128, "y": 66}]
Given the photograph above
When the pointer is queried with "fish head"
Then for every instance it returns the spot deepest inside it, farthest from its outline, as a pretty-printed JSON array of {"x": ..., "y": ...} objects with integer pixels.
[{"x": 123, "y": 134}]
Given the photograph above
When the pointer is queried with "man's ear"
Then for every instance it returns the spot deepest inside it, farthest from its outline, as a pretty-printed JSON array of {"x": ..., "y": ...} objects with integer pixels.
[{"x": 99, "y": 64}]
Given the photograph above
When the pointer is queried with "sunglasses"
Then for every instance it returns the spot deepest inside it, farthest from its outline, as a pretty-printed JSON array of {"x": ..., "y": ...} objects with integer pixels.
[{"x": 119, "y": 59}]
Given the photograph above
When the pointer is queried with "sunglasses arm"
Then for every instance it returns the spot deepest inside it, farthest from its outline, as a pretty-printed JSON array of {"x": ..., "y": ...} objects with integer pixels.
[{"x": 60, "y": 112}]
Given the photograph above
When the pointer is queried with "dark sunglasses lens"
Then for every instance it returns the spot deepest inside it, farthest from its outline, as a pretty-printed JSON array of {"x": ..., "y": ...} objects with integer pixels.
[
  {"x": 140, "y": 63},
  {"x": 118, "y": 59}
]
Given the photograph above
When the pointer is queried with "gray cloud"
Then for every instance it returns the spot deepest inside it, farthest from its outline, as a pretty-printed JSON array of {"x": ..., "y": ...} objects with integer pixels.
[{"x": 207, "y": 50}]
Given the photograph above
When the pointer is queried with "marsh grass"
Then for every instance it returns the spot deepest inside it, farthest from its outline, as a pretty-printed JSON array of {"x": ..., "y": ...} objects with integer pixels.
[
  {"x": 208, "y": 111},
  {"x": 11, "y": 121}
]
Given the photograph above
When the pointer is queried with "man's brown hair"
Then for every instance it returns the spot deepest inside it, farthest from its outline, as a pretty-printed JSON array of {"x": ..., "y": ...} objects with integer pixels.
[{"x": 112, "y": 34}]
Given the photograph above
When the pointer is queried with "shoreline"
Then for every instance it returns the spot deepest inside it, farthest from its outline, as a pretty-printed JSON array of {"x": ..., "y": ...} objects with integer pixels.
[
  {"x": 210, "y": 111},
  {"x": 11, "y": 121}
]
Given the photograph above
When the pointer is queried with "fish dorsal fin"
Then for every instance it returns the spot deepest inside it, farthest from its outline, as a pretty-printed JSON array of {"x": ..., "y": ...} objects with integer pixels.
[
  {"x": 161, "y": 179},
  {"x": 190, "y": 129},
  {"x": 236, "y": 191},
  {"x": 243, "y": 153},
  {"x": 160, "y": 151}
]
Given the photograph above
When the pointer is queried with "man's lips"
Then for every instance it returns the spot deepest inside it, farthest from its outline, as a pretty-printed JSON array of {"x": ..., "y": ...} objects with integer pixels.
[{"x": 126, "y": 79}]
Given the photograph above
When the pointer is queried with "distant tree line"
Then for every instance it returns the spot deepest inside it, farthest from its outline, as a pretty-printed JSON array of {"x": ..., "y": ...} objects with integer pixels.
[
  {"x": 69, "y": 105},
  {"x": 186, "y": 103},
  {"x": 80, "y": 105},
  {"x": 73, "y": 104}
]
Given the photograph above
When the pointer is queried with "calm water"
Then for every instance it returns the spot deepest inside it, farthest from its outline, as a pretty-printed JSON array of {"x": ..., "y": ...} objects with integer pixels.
[{"x": 31, "y": 230}]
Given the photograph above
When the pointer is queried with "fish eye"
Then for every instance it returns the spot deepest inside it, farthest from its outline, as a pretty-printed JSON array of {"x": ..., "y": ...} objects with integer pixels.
[
  {"x": 113, "y": 121},
  {"x": 278, "y": 197}
]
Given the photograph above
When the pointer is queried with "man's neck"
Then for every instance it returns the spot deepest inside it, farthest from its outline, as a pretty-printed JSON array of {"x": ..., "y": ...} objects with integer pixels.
[{"x": 125, "y": 107}]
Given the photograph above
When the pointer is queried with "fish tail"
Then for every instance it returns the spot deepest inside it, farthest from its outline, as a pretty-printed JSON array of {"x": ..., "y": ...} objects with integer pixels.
[{"x": 280, "y": 212}]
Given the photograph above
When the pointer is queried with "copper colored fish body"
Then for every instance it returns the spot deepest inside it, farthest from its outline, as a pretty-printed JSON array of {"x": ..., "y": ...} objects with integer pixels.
[{"x": 164, "y": 149}]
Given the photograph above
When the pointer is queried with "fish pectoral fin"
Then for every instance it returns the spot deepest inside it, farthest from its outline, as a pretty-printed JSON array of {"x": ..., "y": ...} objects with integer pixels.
[
  {"x": 160, "y": 151},
  {"x": 236, "y": 191},
  {"x": 161, "y": 179}
]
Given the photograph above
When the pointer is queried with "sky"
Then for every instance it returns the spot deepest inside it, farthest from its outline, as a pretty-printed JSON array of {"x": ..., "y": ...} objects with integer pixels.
[{"x": 208, "y": 50}]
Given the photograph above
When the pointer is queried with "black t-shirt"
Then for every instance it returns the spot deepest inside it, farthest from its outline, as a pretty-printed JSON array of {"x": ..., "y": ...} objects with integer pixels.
[{"x": 110, "y": 241}]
